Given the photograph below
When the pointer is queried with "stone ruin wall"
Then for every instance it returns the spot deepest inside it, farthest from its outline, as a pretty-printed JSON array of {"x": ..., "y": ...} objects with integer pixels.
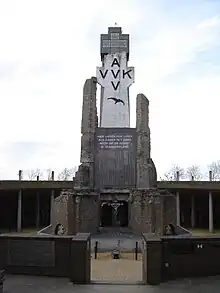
[
  {"x": 87, "y": 212},
  {"x": 85, "y": 174},
  {"x": 80, "y": 211},
  {"x": 151, "y": 211},
  {"x": 64, "y": 212},
  {"x": 146, "y": 171}
]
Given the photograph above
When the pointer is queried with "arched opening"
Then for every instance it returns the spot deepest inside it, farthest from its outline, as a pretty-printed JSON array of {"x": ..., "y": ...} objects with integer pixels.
[
  {"x": 114, "y": 214},
  {"x": 106, "y": 215}
]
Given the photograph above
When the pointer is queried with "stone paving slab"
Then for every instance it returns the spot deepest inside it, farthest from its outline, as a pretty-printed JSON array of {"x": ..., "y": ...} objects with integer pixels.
[{"x": 25, "y": 284}]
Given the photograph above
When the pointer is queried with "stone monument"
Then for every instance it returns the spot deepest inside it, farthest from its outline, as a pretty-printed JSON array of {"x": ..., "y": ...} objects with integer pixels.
[{"x": 116, "y": 182}]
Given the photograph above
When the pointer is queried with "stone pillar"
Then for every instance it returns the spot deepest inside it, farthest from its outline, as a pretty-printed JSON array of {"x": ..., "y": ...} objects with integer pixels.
[
  {"x": 146, "y": 171},
  {"x": 211, "y": 228},
  {"x": 78, "y": 218},
  {"x": 193, "y": 211},
  {"x": 38, "y": 207},
  {"x": 19, "y": 212},
  {"x": 210, "y": 213},
  {"x": 177, "y": 202},
  {"x": 85, "y": 175},
  {"x": 192, "y": 208},
  {"x": 52, "y": 200}
]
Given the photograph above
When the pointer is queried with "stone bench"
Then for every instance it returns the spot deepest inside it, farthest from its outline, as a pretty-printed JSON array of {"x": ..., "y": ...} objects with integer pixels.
[{"x": 2, "y": 278}]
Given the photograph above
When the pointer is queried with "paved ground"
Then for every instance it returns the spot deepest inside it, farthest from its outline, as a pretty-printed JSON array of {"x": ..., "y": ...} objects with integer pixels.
[
  {"x": 113, "y": 270},
  {"x": 20, "y": 284}
]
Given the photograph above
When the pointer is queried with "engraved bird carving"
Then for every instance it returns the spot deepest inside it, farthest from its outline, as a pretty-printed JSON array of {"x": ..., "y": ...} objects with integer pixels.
[{"x": 116, "y": 100}]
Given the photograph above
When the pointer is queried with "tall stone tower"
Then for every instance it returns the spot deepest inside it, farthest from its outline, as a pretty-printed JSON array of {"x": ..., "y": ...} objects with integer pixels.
[
  {"x": 116, "y": 183},
  {"x": 115, "y": 78}
]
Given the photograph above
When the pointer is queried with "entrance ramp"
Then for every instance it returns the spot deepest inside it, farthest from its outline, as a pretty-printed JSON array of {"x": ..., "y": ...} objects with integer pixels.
[{"x": 116, "y": 257}]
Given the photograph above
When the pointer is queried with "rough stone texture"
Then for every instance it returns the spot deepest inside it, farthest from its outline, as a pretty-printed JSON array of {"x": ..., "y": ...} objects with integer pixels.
[
  {"x": 64, "y": 212},
  {"x": 87, "y": 211},
  {"x": 170, "y": 209},
  {"x": 79, "y": 211},
  {"x": 146, "y": 171},
  {"x": 151, "y": 211},
  {"x": 85, "y": 174}
]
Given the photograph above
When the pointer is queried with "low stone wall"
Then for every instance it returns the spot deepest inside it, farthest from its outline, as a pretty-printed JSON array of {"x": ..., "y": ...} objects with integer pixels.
[
  {"x": 174, "y": 257},
  {"x": 46, "y": 256}
]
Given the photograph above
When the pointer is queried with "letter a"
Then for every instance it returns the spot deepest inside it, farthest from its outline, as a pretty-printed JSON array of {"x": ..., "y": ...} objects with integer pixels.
[{"x": 115, "y": 62}]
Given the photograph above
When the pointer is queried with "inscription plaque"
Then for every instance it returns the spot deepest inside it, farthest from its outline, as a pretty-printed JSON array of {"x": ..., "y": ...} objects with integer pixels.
[
  {"x": 114, "y": 141},
  {"x": 115, "y": 163},
  {"x": 31, "y": 253}
]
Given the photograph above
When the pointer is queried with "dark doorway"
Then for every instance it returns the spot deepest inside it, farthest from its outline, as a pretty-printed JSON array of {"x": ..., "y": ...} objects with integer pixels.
[
  {"x": 106, "y": 215},
  {"x": 122, "y": 215},
  {"x": 114, "y": 214}
]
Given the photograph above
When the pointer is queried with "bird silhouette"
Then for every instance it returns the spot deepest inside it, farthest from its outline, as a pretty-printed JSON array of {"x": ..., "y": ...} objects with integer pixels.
[{"x": 116, "y": 100}]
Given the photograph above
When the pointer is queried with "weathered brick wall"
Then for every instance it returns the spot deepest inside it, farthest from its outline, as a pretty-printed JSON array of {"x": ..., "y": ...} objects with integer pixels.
[
  {"x": 140, "y": 213},
  {"x": 64, "y": 212},
  {"x": 151, "y": 211},
  {"x": 88, "y": 213},
  {"x": 170, "y": 209}
]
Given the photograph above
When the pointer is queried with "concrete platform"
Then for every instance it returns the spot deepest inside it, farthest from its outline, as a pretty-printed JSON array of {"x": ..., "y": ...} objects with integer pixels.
[{"x": 24, "y": 284}]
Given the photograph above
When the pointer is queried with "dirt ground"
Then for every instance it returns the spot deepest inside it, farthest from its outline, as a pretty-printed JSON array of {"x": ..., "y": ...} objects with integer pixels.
[{"x": 125, "y": 269}]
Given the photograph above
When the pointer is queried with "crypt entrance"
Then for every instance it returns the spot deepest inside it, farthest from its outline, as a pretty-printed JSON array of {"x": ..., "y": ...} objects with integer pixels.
[{"x": 114, "y": 213}]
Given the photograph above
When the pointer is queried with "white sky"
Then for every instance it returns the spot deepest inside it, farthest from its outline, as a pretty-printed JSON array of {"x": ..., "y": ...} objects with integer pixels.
[{"x": 48, "y": 48}]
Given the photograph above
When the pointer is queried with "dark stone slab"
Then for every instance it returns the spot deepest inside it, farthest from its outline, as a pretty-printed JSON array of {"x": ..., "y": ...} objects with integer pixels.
[
  {"x": 115, "y": 158},
  {"x": 38, "y": 253}
]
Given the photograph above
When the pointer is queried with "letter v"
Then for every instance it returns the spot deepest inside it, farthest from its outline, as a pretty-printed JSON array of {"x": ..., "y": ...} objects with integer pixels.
[
  {"x": 113, "y": 73},
  {"x": 115, "y": 86},
  {"x": 103, "y": 74}
]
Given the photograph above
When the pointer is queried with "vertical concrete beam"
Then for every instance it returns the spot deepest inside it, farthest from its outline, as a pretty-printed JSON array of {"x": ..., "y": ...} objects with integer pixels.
[
  {"x": 210, "y": 213},
  {"x": 38, "y": 208},
  {"x": 52, "y": 200},
  {"x": 19, "y": 212},
  {"x": 193, "y": 211},
  {"x": 192, "y": 208},
  {"x": 211, "y": 228},
  {"x": 177, "y": 202}
]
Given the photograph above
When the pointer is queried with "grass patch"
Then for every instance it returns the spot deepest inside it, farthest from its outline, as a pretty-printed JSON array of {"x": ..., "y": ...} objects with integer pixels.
[{"x": 203, "y": 232}]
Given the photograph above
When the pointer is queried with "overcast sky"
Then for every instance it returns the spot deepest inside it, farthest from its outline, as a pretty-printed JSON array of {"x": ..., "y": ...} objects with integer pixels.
[{"x": 49, "y": 47}]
